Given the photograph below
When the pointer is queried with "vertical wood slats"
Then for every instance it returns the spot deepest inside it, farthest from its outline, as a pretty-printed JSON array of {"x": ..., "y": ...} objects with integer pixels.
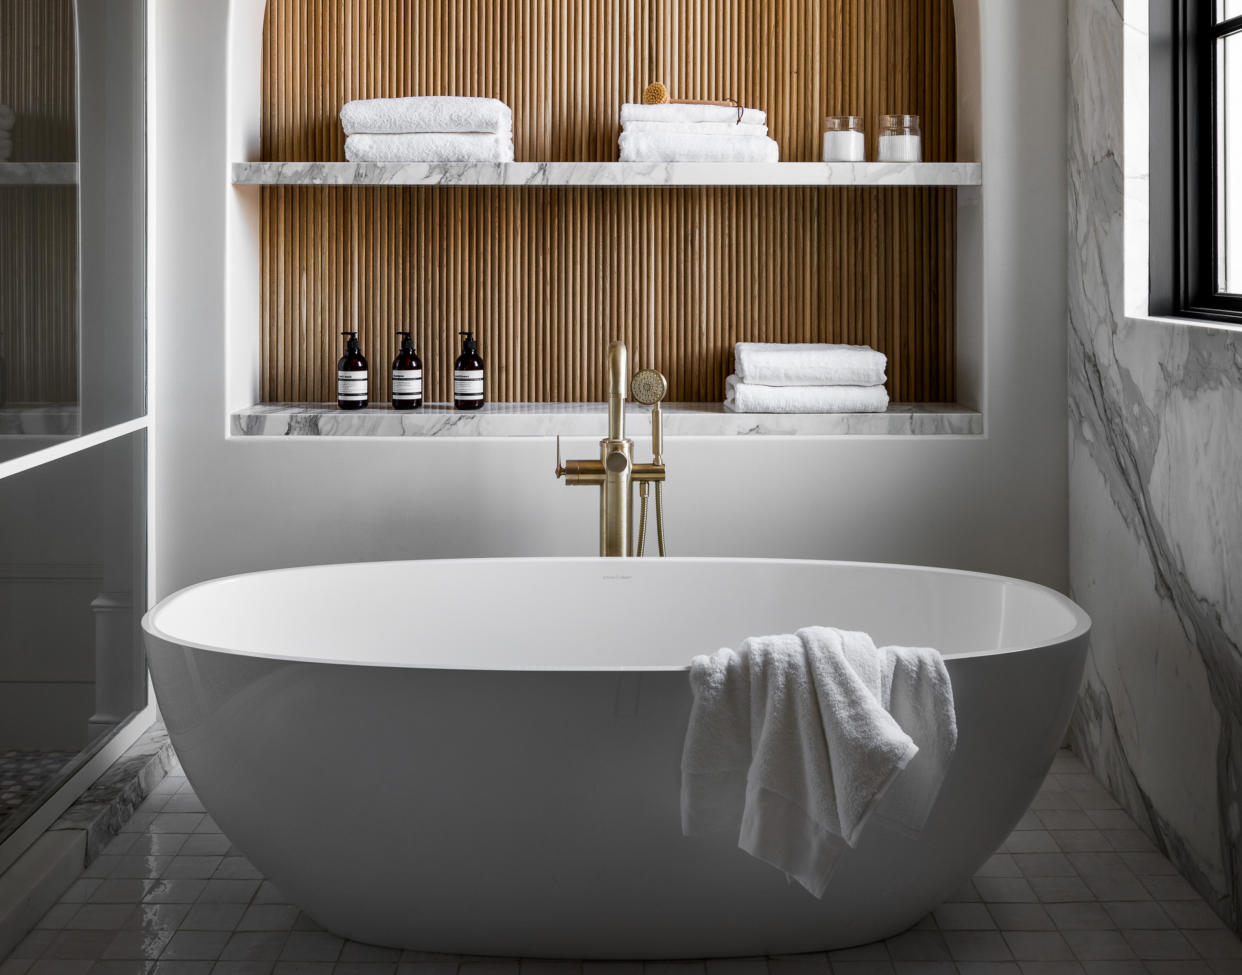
[
  {"x": 547, "y": 277},
  {"x": 39, "y": 225}
]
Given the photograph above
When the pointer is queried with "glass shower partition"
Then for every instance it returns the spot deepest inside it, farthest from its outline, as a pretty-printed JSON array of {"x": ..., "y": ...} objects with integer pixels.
[{"x": 72, "y": 392}]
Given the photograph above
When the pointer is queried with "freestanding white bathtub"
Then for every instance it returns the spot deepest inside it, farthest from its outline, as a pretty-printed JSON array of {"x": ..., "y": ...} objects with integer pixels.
[{"x": 483, "y": 756}]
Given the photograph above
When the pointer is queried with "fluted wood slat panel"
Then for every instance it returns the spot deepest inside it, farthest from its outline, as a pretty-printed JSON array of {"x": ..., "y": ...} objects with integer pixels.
[
  {"x": 39, "y": 225},
  {"x": 548, "y": 277}
]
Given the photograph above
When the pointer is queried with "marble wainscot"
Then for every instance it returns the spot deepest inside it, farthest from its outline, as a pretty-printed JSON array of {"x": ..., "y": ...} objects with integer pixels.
[
  {"x": 606, "y": 174},
  {"x": 1155, "y": 490},
  {"x": 590, "y": 419}
]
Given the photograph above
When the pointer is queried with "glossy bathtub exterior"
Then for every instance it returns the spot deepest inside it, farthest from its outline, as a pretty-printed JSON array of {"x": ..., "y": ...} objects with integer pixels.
[{"x": 484, "y": 756}]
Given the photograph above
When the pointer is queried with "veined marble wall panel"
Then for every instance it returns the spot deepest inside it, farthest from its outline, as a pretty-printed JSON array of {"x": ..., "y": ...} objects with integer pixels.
[{"x": 1155, "y": 493}]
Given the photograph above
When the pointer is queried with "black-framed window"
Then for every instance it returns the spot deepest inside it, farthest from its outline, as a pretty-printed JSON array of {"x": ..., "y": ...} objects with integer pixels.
[{"x": 1196, "y": 158}]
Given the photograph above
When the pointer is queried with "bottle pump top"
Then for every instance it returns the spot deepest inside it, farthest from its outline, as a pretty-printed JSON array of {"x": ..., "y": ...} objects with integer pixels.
[
  {"x": 469, "y": 346},
  {"x": 353, "y": 345},
  {"x": 407, "y": 343}
]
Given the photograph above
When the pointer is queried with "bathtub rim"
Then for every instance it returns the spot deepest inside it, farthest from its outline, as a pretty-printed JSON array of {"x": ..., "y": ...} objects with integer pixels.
[{"x": 1082, "y": 622}]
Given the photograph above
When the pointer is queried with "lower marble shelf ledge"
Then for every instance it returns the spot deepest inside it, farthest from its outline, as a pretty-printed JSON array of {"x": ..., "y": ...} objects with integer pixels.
[{"x": 589, "y": 420}]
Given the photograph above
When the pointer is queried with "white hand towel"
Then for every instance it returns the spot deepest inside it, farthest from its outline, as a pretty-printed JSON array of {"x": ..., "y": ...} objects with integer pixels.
[
  {"x": 426, "y": 113},
  {"x": 695, "y": 128},
  {"x": 7, "y": 117},
  {"x": 717, "y": 752},
  {"x": 919, "y": 695},
  {"x": 800, "y": 720},
  {"x": 743, "y": 397},
  {"x": 645, "y": 147},
  {"x": 631, "y": 112},
  {"x": 809, "y": 364},
  {"x": 429, "y": 147}
]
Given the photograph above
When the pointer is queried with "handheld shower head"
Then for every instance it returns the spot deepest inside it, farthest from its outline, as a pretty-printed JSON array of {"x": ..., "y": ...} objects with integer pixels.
[{"x": 648, "y": 387}]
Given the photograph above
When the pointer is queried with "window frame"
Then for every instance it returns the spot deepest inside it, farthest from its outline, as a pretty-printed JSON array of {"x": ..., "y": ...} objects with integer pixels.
[{"x": 1184, "y": 174}]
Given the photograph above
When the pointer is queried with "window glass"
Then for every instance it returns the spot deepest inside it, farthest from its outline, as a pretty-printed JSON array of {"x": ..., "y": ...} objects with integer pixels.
[
  {"x": 1229, "y": 162},
  {"x": 1225, "y": 9}
]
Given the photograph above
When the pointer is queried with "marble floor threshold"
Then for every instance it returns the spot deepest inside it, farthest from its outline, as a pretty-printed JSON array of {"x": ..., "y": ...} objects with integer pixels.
[{"x": 1077, "y": 888}]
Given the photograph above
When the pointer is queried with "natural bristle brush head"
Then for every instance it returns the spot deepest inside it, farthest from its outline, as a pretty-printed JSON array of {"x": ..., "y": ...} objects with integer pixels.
[
  {"x": 655, "y": 94},
  {"x": 648, "y": 387}
]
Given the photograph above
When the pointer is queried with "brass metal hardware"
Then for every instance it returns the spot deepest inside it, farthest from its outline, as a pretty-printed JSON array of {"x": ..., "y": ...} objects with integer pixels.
[{"x": 615, "y": 473}]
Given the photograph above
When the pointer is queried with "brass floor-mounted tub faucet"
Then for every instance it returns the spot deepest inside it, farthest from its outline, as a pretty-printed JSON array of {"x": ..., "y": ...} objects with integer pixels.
[{"x": 615, "y": 473}]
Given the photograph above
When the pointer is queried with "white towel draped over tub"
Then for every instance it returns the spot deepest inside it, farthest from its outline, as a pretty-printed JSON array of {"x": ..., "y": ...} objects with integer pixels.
[{"x": 794, "y": 741}]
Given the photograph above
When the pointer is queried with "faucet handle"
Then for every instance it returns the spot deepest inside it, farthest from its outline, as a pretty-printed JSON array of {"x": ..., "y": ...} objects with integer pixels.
[{"x": 560, "y": 469}]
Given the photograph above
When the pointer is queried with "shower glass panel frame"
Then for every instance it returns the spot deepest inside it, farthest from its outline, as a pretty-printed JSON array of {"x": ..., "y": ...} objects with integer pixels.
[{"x": 73, "y": 412}]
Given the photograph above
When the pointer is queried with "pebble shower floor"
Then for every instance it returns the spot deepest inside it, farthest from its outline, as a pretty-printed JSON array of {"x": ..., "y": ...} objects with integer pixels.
[{"x": 1077, "y": 888}]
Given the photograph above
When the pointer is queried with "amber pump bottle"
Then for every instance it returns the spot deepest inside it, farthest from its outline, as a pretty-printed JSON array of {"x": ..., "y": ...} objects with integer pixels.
[
  {"x": 407, "y": 376},
  {"x": 351, "y": 376},
  {"x": 468, "y": 375}
]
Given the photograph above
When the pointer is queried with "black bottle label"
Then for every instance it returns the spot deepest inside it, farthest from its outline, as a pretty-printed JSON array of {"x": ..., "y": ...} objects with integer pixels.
[
  {"x": 351, "y": 385},
  {"x": 468, "y": 384},
  {"x": 407, "y": 383}
]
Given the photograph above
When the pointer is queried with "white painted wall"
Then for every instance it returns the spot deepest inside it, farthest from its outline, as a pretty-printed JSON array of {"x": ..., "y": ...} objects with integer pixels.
[{"x": 996, "y": 503}]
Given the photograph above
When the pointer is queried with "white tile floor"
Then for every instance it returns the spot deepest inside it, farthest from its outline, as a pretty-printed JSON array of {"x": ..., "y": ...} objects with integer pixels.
[{"x": 1075, "y": 889}]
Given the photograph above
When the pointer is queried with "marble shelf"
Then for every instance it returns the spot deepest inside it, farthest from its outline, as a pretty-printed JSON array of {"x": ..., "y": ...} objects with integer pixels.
[
  {"x": 38, "y": 173},
  {"x": 606, "y": 174},
  {"x": 43, "y": 420},
  {"x": 589, "y": 420}
]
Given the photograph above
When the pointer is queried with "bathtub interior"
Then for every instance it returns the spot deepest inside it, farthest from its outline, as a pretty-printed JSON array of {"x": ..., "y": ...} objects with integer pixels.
[{"x": 591, "y": 614}]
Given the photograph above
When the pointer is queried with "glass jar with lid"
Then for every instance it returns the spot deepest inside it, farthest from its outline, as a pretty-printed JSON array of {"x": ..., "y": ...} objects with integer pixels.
[{"x": 900, "y": 139}]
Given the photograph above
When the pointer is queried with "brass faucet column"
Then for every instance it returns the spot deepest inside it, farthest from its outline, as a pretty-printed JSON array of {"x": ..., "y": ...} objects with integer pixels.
[
  {"x": 615, "y": 472},
  {"x": 617, "y": 457}
]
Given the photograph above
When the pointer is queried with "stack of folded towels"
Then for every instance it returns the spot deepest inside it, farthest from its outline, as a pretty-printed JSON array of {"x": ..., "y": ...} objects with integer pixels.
[
  {"x": 695, "y": 133},
  {"x": 7, "y": 118},
  {"x": 431, "y": 128},
  {"x": 806, "y": 378}
]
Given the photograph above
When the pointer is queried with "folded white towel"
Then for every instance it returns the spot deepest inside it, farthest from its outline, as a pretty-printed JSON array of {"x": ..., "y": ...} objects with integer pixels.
[
  {"x": 791, "y": 747},
  {"x": 743, "y": 397},
  {"x": 645, "y": 147},
  {"x": 426, "y": 113},
  {"x": 7, "y": 117},
  {"x": 695, "y": 128},
  {"x": 429, "y": 147},
  {"x": 809, "y": 364},
  {"x": 632, "y": 112}
]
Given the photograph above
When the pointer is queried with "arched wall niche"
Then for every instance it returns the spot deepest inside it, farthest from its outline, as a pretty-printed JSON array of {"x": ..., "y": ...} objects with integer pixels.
[{"x": 548, "y": 277}]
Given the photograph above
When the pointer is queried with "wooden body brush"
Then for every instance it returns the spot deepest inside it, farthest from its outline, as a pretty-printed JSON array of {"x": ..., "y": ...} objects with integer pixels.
[{"x": 657, "y": 94}]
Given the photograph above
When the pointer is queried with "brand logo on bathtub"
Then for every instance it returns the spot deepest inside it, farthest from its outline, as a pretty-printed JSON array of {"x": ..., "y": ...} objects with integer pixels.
[{"x": 618, "y": 577}]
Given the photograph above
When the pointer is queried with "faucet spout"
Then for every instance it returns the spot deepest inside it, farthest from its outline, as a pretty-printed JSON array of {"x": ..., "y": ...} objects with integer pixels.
[{"x": 616, "y": 390}]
